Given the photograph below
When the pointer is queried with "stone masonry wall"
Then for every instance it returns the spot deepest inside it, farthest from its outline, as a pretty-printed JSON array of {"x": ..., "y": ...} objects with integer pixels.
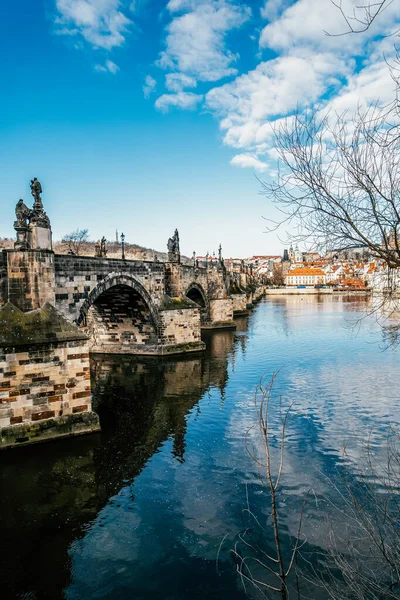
[
  {"x": 44, "y": 382},
  {"x": 211, "y": 280},
  {"x": 180, "y": 326},
  {"x": 221, "y": 311},
  {"x": 3, "y": 278},
  {"x": 31, "y": 280},
  {"x": 77, "y": 276},
  {"x": 120, "y": 319},
  {"x": 239, "y": 302}
]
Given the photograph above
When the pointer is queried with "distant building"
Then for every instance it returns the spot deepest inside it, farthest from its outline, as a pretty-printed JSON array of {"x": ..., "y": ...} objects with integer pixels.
[
  {"x": 311, "y": 257},
  {"x": 295, "y": 255},
  {"x": 307, "y": 276}
]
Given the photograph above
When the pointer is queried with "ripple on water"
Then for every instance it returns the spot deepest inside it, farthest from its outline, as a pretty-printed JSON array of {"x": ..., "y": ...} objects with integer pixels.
[{"x": 145, "y": 506}]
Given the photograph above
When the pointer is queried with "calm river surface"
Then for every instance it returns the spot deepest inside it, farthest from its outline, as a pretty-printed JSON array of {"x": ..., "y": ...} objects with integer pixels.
[{"x": 139, "y": 511}]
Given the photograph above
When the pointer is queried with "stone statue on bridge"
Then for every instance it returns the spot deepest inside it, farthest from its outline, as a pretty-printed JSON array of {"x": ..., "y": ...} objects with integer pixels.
[
  {"x": 36, "y": 190},
  {"x": 23, "y": 214},
  {"x": 100, "y": 248},
  {"x": 38, "y": 216},
  {"x": 174, "y": 254},
  {"x": 32, "y": 226}
]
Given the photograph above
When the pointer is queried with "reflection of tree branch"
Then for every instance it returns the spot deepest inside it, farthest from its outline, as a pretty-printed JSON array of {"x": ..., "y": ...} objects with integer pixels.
[
  {"x": 363, "y": 557},
  {"x": 256, "y": 561}
]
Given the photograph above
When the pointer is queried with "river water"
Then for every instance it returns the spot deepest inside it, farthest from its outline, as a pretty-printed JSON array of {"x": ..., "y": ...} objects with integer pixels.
[{"x": 143, "y": 509}]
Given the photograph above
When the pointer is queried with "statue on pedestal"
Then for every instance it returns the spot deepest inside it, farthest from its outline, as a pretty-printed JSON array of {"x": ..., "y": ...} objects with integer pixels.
[
  {"x": 100, "y": 248},
  {"x": 21, "y": 225},
  {"x": 174, "y": 254},
  {"x": 32, "y": 226},
  {"x": 38, "y": 216},
  {"x": 23, "y": 214}
]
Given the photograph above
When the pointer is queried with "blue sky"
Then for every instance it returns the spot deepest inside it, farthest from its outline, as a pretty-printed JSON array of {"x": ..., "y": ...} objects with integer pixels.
[{"x": 147, "y": 115}]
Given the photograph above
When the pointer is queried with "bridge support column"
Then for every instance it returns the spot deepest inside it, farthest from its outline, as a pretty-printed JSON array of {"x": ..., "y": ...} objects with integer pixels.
[
  {"x": 249, "y": 300},
  {"x": 179, "y": 327},
  {"x": 44, "y": 377},
  {"x": 220, "y": 314},
  {"x": 239, "y": 302}
]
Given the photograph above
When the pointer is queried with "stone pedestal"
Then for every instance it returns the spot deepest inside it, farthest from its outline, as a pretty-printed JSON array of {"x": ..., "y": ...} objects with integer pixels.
[
  {"x": 174, "y": 257},
  {"x": 39, "y": 238},
  {"x": 173, "y": 280},
  {"x": 31, "y": 278},
  {"x": 21, "y": 242}
]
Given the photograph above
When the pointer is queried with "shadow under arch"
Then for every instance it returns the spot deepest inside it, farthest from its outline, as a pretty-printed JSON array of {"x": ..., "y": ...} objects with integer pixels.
[
  {"x": 114, "y": 280},
  {"x": 196, "y": 293}
]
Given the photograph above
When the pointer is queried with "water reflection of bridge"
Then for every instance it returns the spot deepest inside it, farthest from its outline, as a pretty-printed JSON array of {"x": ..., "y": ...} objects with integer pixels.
[{"x": 51, "y": 498}]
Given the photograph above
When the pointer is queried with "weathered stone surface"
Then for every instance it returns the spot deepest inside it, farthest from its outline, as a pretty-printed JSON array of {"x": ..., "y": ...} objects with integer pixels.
[
  {"x": 80, "y": 422},
  {"x": 239, "y": 304},
  {"x": 28, "y": 394},
  {"x": 181, "y": 326},
  {"x": 221, "y": 314},
  {"x": 31, "y": 278},
  {"x": 39, "y": 326}
]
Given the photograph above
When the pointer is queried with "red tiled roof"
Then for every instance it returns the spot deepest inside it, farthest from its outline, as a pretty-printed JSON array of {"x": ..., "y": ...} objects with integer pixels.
[{"x": 305, "y": 271}]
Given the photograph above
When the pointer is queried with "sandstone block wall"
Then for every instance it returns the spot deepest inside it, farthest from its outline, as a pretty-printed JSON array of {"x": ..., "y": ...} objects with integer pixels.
[
  {"x": 239, "y": 302},
  {"x": 212, "y": 280},
  {"x": 120, "y": 319},
  {"x": 31, "y": 280},
  {"x": 77, "y": 276},
  {"x": 249, "y": 299},
  {"x": 221, "y": 310},
  {"x": 258, "y": 293},
  {"x": 44, "y": 382},
  {"x": 180, "y": 326},
  {"x": 3, "y": 278},
  {"x": 173, "y": 280}
]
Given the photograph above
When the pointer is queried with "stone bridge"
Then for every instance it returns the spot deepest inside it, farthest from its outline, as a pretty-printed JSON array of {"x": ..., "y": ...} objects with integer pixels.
[
  {"x": 57, "y": 309},
  {"x": 125, "y": 306}
]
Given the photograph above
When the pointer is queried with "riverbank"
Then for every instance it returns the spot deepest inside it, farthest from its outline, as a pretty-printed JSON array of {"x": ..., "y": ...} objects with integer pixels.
[{"x": 283, "y": 291}]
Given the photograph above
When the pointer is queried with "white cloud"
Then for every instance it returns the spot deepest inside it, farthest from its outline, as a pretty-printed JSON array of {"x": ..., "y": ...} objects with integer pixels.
[
  {"x": 306, "y": 22},
  {"x": 371, "y": 85},
  {"x": 273, "y": 89},
  {"x": 248, "y": 161},
  {"x": 312, "y": 69},
  {"x": 102, "y": 23},
  {"x": 108, "y": 67},
  {"x": 150, "y": 85},
  {"x": 195, "y": 42},
  {"x": 183, "y": 100},
  {"x": 176, "y": 82},
  {"x": 178, "y": 5},
  {"x": 272, "y": 8}
]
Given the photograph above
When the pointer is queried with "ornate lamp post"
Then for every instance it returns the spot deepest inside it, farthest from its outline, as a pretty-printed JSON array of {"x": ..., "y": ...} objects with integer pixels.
[{"x": 123, "y": 245}]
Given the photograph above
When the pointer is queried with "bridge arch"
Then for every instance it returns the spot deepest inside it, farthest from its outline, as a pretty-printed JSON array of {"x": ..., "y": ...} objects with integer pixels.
[
  {"x": 196, "y": 293},
  {"x": 119, "y": 312}
]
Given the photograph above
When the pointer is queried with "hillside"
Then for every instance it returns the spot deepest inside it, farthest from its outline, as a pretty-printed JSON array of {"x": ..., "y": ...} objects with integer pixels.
[{"x": 132, "y": 251}]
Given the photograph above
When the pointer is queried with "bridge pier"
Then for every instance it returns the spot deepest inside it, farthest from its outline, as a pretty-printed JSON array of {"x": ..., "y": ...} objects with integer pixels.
[
  {"x": 44, "y": 377},
  {"x": 220, "y": 314},
  {"x": 239, "y": 301}
]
